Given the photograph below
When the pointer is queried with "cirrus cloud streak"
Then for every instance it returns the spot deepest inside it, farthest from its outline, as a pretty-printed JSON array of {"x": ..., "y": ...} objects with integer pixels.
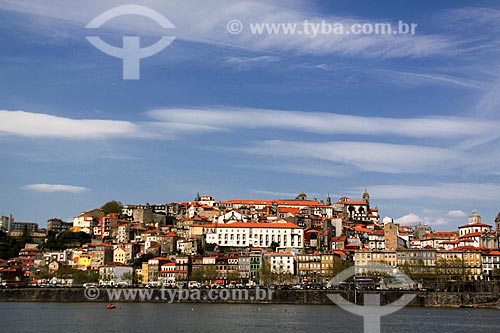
[{"x": 52, "y": 188}]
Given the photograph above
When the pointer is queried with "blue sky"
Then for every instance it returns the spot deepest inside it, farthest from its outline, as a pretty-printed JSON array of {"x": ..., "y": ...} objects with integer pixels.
[{"x": 414, "y": 119}]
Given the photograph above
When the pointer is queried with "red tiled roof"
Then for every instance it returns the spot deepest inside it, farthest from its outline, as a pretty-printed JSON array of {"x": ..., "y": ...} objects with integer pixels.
[
  {"x": 458, "y": 248},
  {"x": 471, "y": 234},
  {"x": 351, "y": 202},
  {"x": 115, "y": 263},
  {"x": 455, "y": 241},
  {"x": 30, "y": 249},
  {"x": 441, "y": 234},
  {"x": 475, "y": 225},
  {"x": 169, "y": 264},
  {"x": 160, "y": 258},
  {"x": 293, "y": 210},
  {"x": 101, "y": 244},
  {"x": 152, "y": 231},
  {"x": 279, "y": 253},
  {"x": 287, "y": 225},
  {"x": 279, "y": 202},
  {"x": 361, "y": 229}
]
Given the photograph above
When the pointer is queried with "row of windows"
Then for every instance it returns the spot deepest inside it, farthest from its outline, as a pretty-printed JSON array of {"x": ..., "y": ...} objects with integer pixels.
[{"x": 236, "y": 230}]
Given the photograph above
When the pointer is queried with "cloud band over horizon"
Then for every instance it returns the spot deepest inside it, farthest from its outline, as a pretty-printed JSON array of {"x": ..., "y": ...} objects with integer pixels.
[{"x": 53, "y": 188}]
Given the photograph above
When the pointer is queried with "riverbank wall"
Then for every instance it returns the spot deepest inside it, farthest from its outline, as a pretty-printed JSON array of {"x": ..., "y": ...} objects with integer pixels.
[{"x": 318, "y": 297}]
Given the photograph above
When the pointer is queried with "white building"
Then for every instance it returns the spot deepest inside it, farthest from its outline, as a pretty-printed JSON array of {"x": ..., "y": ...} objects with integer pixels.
[
  {"x": 167, "y": 273},
  {"x": 280, "y": 262},
  {"x": 87, "y": 220},
  {"x": 123, "y": 235},
  {"x": 120, "y": 254},
  {"x": 241, "y": 234},
  {"x": 207, "y": 200},
  {"x": 115, "y": 273},
  {"x": 474, "y": 227},
  {"x": 230, "y": 217},
  {"x": 490, "y": 262},
  {"x": 376, "y": 240},
  {"x": 186, "y": 246}
]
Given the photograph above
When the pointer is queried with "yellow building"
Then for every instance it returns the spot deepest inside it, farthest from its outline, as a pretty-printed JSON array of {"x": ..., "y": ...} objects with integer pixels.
[
  {"x": 144, "y": 273},
  {"x": 84, "y": 261},
  {"x": 461, "y": 263},
  {"x": 367, "y": 257}
]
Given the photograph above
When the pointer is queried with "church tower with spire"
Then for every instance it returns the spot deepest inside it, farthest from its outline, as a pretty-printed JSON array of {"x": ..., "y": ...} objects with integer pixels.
[
  {"x": 497, "y": 224},
  {"x": 366, "y": 198}
]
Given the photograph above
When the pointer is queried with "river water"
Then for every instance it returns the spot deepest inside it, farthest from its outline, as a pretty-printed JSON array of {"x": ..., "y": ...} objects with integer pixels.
[{"x": 149, "y": 317}]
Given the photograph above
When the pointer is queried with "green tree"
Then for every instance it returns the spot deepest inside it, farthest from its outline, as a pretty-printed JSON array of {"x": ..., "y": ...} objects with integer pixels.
[
  {"x": 128, "y": 277},
  {"x": 338, "y": 266},
  {"x": 66, "y": 239},
  {"x": 204, "y": 273},
  {"x": 25, "y": 237},
  {"x": 144, "y": 258},
  {"x": 265, "y": 274},
  {"x": 112, "y": 207},
  {"x": 281, "y": 275},
  {"x": 79, "y": 277},
  {"x": 9, "y": 246}
]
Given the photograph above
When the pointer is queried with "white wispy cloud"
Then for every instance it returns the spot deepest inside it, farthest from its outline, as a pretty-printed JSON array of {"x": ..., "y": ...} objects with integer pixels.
[
  {"x": 408, "y": 219},
  {"x": 50, "y": 188},
  {"x": 171, "y": 122},
  {"x": 416, "y": 79},
  {"x": 489, "y": 102},
  {"x": 466, "y": 17},
  {"x": 413, "y": 219},
  {"x": 28, "y": 124},
  {"x": 246, "y": 63},
  {"x": 326, "y": 122},
  {"x": 456, "y": 214},
  {"x": 205, "y": 22},
  {"x": 365, "y": 156},
  {"x": 442, "y": 191},
  {"x": 281, "y": 195},
  {"x": 308, "y": 168}
]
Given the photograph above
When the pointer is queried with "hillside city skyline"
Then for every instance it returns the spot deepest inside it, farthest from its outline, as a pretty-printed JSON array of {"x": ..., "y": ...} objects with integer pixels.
[{"x": 236, "y": 107}]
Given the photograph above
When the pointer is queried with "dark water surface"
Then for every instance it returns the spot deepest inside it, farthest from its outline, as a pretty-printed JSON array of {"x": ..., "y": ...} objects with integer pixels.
[{"x": 148, "y": 317}]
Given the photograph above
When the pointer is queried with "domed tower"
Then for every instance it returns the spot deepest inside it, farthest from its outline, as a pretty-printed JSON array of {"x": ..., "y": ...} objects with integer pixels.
[
  {"x": 474, "y": 217},
  {"x": 302, "y": 196},
  {"x": 366, "y": 197},
  {"x": 328, "y": 200}
]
